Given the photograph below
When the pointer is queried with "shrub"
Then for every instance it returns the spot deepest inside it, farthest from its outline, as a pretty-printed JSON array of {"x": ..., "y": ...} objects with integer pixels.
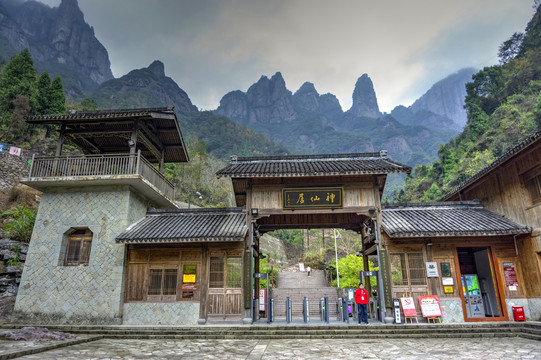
[{"x": 21, "y": 224}]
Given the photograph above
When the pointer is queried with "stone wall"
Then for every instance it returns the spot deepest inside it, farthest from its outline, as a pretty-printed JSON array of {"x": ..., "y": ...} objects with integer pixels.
[
  {"x": 53, "y": 293},
  {"x": 179, "y": 313},
  {"x": 12, "y": 168},
  {"x": 274, "y": 248},
  {"x": 452, "y": 311}
]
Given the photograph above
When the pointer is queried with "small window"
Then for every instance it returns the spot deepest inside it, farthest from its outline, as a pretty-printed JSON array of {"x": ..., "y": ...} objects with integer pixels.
[
  {"x": 534, "y": 188},
  {"x": 78, "y": 247}
]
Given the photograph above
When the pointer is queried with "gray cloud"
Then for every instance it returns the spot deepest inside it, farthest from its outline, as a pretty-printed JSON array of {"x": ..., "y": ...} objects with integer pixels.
[{"x": 212, "y": 47}]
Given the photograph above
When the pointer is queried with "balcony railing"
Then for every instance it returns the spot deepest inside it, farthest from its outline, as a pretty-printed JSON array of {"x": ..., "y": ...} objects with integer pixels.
[{"x": 101, "y": 165}]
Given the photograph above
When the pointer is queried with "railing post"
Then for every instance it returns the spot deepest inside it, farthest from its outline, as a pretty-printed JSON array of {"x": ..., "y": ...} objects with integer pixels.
[
  {"x": 138, "y": 161},
  {"x": 32, "y": 165}
]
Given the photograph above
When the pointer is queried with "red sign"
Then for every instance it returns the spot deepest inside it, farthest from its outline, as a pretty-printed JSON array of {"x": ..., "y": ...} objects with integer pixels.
[
  {"x": 509, "y": 274},
  {"x": 188, "y": 287},
  {"x": 408, "y": 306},
  {"x": 430, "y": 305}
]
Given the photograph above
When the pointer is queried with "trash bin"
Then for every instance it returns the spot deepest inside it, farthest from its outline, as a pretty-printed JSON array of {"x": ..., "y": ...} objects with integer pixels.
[{"x": 518, "y": 313}]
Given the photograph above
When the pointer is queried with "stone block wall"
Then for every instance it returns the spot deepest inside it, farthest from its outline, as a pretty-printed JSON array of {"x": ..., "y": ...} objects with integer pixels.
[
  {"x": 452, "y": 311},
  {"x": 12, "y": 168},
  {"x": 181, "y": 314},
  {"x": 52, "y": 293}
]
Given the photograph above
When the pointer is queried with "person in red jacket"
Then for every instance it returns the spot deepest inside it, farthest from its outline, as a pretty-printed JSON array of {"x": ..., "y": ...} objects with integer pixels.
[{"x": 361, "y": 298}]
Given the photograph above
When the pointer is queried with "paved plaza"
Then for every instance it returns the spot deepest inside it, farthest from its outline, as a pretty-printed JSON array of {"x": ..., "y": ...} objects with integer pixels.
[{"x": 478, "y": 348}]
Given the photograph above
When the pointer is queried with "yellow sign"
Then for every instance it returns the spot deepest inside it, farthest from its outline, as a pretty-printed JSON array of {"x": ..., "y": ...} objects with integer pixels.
[
  {"x": 188, "y": 278},
  {"x": 448, "y": 289}
]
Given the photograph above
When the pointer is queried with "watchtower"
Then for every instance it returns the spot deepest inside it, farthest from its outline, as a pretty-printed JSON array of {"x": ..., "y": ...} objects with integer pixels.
[{"x": 74, "y": 270}]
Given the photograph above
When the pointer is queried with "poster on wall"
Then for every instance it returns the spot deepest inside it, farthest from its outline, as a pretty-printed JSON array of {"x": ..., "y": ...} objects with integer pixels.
[
  {"x": 430, "y": 305},
  {"x": 432, "y": 269},
  {"x": 408, "y": 306},
  {"x": 510, "y": 275}
]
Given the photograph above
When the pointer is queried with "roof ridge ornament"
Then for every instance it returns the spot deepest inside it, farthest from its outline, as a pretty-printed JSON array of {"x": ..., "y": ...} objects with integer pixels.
[
  {"x": 234, "y": 159},
  {"x": 383, "y": 153}
]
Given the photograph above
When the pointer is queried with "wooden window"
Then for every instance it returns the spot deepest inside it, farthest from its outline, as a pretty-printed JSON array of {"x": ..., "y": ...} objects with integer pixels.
[
  {"x": 234, "y": 272},
  {"x": 408, "y": 269},
  {"x": 162, "y": 284},
  {"x": 225, "y": 272},
  {"x": 399, "y": 269},
  {"x": 78, "y": 247},
  {"x": 534, "y": 188},
  {"x": 217, "y": 272}
]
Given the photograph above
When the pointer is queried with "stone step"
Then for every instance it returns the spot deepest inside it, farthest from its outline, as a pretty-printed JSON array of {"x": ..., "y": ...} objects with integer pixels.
[{"x": 303, "y": 331}]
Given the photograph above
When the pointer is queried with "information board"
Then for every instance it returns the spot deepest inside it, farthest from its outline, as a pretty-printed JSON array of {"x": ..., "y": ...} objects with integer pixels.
[
  {"x": 510, "y": 273},
  {"x": 430, "y": 305},
  {"x": 408, "y": 306}
]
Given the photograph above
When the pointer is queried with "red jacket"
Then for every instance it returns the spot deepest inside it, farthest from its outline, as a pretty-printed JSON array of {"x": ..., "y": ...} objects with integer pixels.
[{"x": 361, "y": 296}]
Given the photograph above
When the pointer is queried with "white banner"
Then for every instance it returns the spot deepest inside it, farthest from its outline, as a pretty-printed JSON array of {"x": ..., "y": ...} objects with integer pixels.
[{"x": 15, "y": 151}]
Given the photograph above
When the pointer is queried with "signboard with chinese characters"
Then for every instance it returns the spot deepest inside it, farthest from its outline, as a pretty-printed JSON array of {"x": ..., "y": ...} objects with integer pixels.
[
  {"x": 188, "y": 278},
  {"x": 386, "y": 278},
  {"x": 510, "y": 274},
  {"x": 430, "y": 305},
  {"x": 247, "y": 278},
  {"x": 312, "y": 198}
]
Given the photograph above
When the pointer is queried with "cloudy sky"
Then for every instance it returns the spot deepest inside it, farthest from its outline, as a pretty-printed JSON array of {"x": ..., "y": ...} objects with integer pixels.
[{"x": 211, "y": 47}]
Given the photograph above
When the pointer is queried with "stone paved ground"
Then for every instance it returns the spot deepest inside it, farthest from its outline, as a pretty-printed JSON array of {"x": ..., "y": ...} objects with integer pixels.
[{"x": 406, "y": 349}]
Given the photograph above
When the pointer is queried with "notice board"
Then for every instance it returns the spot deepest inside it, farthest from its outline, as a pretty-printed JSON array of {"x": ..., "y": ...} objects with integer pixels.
[
  {"x": 430, "y": 305},
  {"x": 408, "y": 306}
]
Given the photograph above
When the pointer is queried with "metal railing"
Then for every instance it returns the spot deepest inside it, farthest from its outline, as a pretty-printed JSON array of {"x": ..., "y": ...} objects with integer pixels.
[{"x": 101, "y": 165}]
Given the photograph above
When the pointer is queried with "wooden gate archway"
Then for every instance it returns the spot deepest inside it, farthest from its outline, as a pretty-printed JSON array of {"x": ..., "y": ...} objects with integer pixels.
[{"x": 309, "y": 192}]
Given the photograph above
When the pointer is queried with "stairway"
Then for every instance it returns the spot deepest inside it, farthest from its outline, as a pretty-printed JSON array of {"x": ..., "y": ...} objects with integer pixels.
[
  {"x": 296, "y": 286},
  {"x": 528, "y": 330}
]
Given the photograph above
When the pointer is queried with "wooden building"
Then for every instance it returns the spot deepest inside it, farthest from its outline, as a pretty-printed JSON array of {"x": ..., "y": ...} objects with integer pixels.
[
  {"x": 511, "y": 186},
  {"x": 457, "y": 251}
]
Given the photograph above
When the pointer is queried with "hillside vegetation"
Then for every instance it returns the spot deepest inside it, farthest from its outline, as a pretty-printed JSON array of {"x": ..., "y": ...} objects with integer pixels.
[{"x": 503, "y": 103}]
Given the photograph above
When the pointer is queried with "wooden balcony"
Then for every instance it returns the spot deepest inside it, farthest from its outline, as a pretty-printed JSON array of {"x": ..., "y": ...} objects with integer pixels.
[{"x": 115, "y": 169}]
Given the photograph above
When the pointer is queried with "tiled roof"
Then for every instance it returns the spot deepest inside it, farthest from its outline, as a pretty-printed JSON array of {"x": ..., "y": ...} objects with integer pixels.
[
  {"x": 453, "y": 218},
  {"x": 525, "y": 143},
  {"x": 193, "y": 225},
  {"x": 313, "y": 165},
  {"x": 107, "y": 131}
]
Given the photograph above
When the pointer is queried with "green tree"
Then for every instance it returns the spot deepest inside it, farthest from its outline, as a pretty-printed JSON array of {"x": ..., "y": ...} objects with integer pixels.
[
  {"x": 57, "y": 98},
  {"x": 44, "y": 88},
  {"x": 349, "y": 268}
]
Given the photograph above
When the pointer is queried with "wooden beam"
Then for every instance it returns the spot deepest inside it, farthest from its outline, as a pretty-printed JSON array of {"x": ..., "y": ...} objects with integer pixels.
[
  {"x": 149, "y": 145},
  {"x": 372, "y": 249},
  {"x": 98, "y": 131},
  {"x": 151, "y": 135}
]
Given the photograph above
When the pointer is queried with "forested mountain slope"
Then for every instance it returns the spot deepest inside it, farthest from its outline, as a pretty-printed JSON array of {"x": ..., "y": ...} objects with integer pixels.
[{"x": 503, "y": 104}]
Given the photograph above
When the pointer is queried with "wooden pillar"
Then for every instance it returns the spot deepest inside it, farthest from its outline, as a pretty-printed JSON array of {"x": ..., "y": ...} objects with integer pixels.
[
  {"x": 162, "y": 161},
  {"x": 60, "y": 140},
  {"x": 204, "y": 283}
]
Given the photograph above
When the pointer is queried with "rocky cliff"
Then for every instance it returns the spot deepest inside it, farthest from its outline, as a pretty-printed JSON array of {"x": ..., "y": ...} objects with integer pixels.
[
  {"x": 308, "y": 122},
  {"x": 60, "y": 41},
  {"x": 365, "y": 103},
  {"x": 444, "y": 101},
  {"x": 146, "y": 87}
]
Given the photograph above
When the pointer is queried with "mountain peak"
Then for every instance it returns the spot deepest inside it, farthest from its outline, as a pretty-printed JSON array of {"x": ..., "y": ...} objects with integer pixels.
[
  {"x": 157, "y": 68},
  {"x": 364, "y": 103},
  {"x": 307, "y": 87}
]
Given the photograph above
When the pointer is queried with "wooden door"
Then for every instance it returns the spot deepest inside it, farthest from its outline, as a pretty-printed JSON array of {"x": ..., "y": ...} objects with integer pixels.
[{"x": 224, "y": 297}]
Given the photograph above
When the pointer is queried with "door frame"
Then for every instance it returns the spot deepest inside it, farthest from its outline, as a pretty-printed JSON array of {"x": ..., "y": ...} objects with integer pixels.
[
  {"x": 495, "y": 278},
  {"x": 224, "y": 291}
]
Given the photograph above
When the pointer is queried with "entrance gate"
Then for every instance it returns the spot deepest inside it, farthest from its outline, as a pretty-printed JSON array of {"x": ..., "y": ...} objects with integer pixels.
[{"x": 310, "y": 192}]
